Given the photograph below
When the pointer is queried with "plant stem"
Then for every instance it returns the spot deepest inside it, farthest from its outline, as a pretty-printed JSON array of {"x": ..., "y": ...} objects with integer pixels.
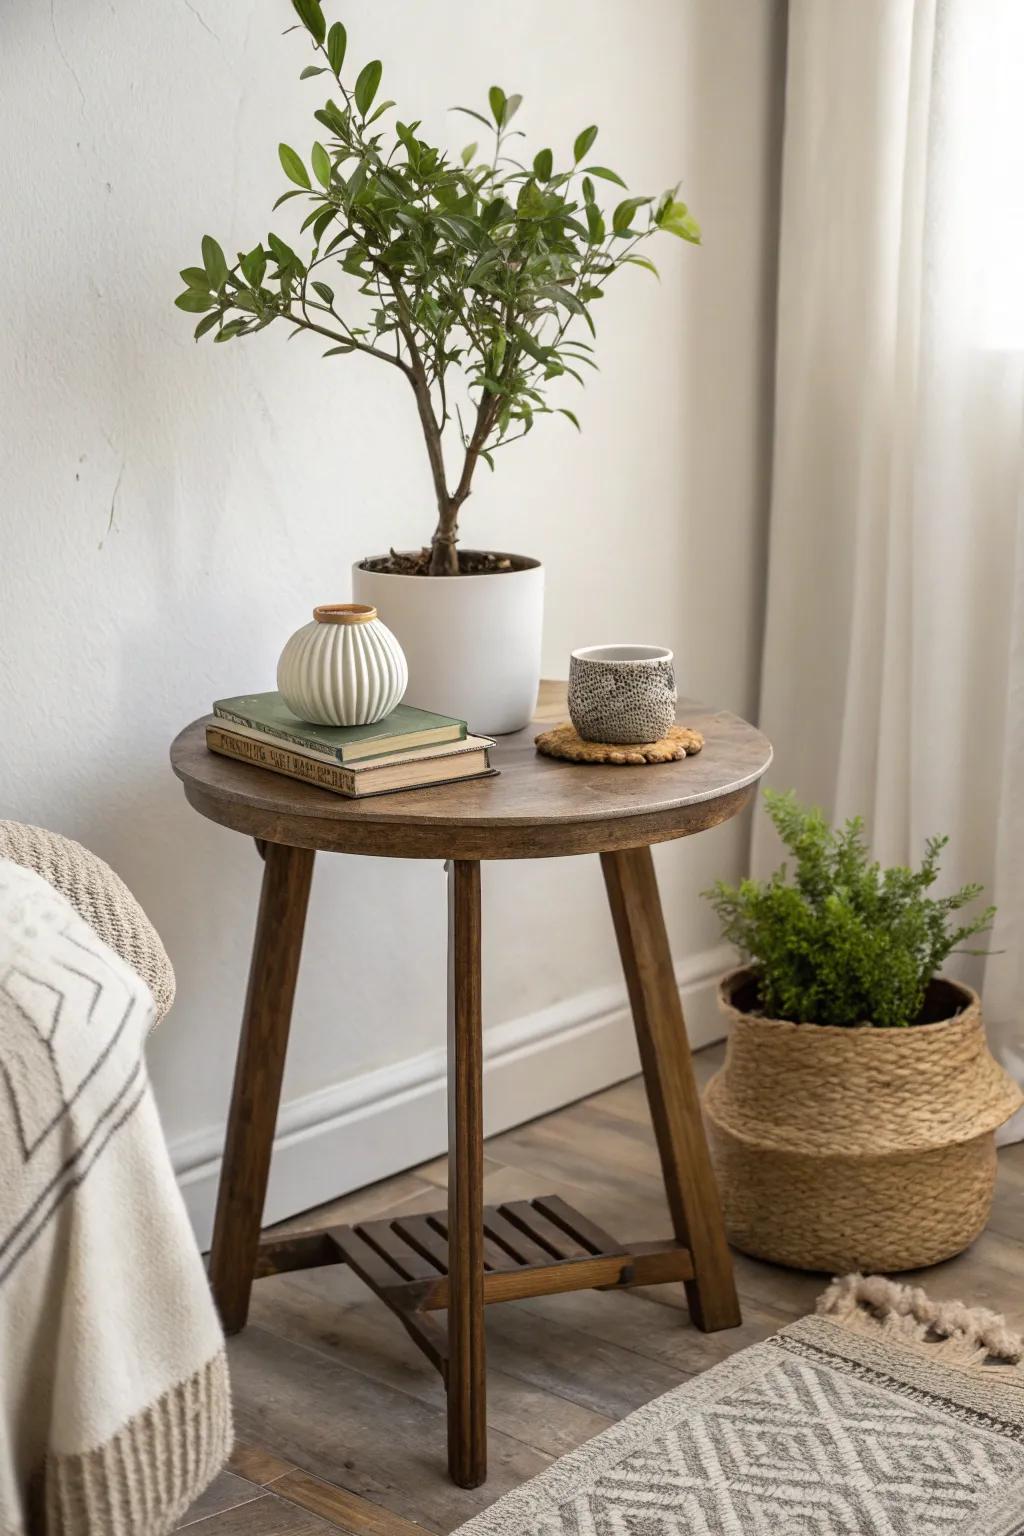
[
  {"x": 444, "y": 557},
  {"x": 305, "y": 324}
]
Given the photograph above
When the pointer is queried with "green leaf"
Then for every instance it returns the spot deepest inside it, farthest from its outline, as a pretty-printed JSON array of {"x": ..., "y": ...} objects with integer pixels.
[
  {"x": 339, "y": 351},
  {"x": 286, "y": 195},
  {"x": 531, "y": 202},
  {"x": 326, "y": 293},
  {"x": 323, "y": 221},
  {"x": 380, "y": 110},
  {"x": 311, "y": 70},
  {"x": 595, "y": 224},
  {"x": 194, "y": 303},
  {"x": 605, "y": 174},
  {"x": 530, "y": 345},
  {"x": 563, "y": 296},
  {"x": 356, "y": 180},
  {"x": 582, "y": 144},
  {"x": 320, "y": 160},
  {"x": 543, "y": 165},
  {"x": 395, "y": 186},
  {"x": 486, "y": 264},
  {"x": 333, "y": 119},
  {"x": 497, "y": 211},
  {"x": 214, "y": 262},
  {"x": 571, "y": 415},
  {"x": 462, "y": 230},
  {"x": 293, "y": 166},
  {"x": 282, "y": 254},
  {"x": 512, "y": 106},
  {"x": 337, "y": 41},
  {"x": 233, "y": 328},
  {"x": 206, "y": 324},
  {"x": 195, "y": 277},
  {"x": 254, "y": 265},
  {"x": 623, "y": 215},
  {"x": 498, "y": 101},
  {"x": 686, "y": 229},
  {"x": 643, "y": 261},
  {"x": 366, "y": 85},
  {"x": 468, "y": 112},
  {"x": 469, "y": 151},
  {"x": 677, "y": 220},
  {"x": 312, "y": 18}
]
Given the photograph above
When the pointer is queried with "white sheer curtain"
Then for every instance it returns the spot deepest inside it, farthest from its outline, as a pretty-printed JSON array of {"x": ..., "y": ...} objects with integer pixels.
[{"x": 893, "y": 680}]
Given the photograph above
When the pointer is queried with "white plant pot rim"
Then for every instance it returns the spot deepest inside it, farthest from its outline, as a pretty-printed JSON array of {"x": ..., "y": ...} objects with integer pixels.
[{"x": 523, "y": 565}]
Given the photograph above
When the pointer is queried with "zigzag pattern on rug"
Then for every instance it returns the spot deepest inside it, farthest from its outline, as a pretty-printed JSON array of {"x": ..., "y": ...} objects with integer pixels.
[{"x": 886, "y": 1415}]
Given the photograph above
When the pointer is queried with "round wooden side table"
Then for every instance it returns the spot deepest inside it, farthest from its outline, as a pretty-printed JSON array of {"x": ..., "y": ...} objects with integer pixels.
[{"x": 460, "y": 1259}]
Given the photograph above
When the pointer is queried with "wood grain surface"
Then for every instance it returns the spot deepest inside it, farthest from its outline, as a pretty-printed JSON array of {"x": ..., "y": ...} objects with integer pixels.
[
  {"x": 255, "y": 1096},
  {"x": 467, "y": 1348},
  {"x": 671, "y": 1085},
  {"x": 535, "y": 808},
  {"x": 327, "y": 1381}
]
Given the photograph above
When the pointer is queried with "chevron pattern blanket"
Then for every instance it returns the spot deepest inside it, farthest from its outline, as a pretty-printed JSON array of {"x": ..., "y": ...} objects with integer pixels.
[
  {"x": 114, "y": 1406},
  {"x": 887, "y": 1415}
]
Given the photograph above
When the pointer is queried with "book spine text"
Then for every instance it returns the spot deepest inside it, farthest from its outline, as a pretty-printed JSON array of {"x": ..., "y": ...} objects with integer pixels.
[{"x": 246, "y": 750}]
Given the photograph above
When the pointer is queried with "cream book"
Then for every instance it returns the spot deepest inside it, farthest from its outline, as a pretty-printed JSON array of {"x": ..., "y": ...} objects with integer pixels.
[{"x": 418, "y": 768}]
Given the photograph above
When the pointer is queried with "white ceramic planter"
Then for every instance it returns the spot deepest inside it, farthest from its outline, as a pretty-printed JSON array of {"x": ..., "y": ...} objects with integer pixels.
[
  {"x": 345, "y": 668},
  {"x": 472, "y": 643}
]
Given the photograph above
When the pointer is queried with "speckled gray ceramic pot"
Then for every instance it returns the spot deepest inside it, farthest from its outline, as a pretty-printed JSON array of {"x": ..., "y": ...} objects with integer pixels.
[{"x": 622, "y": 693}]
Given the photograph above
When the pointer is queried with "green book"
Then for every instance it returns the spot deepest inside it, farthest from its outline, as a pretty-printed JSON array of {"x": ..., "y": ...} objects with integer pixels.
[{"x": 265, "y": 716}]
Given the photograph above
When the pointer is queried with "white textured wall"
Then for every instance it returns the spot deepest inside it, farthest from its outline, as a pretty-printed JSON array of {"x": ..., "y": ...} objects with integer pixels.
[{"x": 239, "y": 482}]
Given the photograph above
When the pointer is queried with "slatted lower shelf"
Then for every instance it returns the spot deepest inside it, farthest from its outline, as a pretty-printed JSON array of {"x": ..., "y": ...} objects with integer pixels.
[{"x": 531, "y": 1248}]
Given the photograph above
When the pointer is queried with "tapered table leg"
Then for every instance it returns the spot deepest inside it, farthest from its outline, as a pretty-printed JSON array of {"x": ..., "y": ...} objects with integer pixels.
[
  {"x": 671, "y": 1087},
  {"x": 258, "y": 1072},
  {"x": 467, "y": 1379}
]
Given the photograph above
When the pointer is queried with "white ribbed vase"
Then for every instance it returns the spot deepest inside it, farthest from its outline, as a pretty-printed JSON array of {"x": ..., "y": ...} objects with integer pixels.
[{"x": 346, "y": 668}]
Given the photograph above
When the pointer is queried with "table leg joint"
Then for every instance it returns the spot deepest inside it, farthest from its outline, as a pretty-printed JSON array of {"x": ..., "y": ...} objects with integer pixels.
[{"x": 409, "y": 1272}]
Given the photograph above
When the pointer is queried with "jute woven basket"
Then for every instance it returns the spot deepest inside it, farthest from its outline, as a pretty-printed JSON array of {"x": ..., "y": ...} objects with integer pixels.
[{"x": 856, "y": 1149}]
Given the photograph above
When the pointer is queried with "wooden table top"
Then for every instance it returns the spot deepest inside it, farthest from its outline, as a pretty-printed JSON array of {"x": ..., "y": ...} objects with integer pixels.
[{"x": 535, "y": 808}]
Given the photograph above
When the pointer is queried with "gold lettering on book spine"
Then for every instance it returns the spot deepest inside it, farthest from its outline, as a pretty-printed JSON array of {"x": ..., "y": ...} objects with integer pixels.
[{"x": 247, "y": 750}]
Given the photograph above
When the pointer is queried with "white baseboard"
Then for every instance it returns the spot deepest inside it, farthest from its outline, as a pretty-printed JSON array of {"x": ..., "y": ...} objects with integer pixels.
[{"x": 348, "y": 1135}]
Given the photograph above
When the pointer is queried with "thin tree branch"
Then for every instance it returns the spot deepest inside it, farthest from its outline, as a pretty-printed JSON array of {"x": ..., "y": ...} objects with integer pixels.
[{"x": 349, "y": 340}]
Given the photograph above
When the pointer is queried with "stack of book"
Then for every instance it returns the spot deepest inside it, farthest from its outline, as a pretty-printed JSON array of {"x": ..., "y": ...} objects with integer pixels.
[{"x": 408, "y": 749}]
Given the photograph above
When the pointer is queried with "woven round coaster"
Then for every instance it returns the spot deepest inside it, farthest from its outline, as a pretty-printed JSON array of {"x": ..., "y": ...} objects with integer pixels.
[{"x": 566, "y": 742}]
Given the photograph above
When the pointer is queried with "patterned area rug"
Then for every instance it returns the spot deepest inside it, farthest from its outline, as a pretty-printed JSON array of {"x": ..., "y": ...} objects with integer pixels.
[{"x": 885, "y": 1415}]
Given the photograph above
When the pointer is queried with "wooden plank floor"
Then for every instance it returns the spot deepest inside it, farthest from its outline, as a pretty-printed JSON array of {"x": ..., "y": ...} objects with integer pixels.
[{"x": 340, "y": 1419}]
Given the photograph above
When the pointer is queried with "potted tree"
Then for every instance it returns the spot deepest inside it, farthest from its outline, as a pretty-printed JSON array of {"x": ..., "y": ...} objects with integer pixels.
[
  {"x": 853, "y": 1122},
  {"x": 472, "y": 277}
]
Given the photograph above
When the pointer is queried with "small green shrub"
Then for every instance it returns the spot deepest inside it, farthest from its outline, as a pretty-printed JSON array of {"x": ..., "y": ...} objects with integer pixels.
[{"x": 844, "y": 942}]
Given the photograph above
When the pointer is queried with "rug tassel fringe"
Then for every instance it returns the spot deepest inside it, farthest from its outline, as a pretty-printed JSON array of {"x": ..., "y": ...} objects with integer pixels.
[{"x": 953, "y": 1333}]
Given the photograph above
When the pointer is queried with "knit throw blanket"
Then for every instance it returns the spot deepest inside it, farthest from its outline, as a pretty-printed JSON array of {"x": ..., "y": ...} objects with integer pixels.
[{"x": 114, "y": 1404}]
